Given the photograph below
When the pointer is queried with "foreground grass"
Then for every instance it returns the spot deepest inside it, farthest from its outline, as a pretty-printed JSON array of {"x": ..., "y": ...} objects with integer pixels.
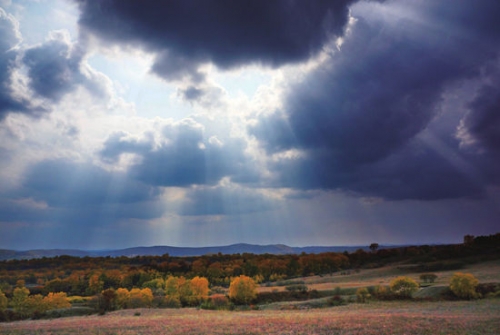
[{"x": 458, "y": 317}]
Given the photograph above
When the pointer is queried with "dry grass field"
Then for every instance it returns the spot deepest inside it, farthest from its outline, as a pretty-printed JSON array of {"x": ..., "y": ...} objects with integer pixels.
[{"x": 463, "y": 317}]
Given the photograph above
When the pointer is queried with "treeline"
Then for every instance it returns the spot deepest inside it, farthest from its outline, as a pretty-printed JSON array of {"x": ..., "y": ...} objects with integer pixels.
[{"x": 88, "y": 276}]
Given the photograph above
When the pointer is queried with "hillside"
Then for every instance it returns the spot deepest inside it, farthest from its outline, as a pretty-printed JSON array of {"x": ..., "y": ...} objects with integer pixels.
[{"x": 274, "y": 249}]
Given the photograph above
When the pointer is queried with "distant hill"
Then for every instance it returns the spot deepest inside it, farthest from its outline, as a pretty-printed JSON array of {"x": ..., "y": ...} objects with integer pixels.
[{"x": 276, "y": 249}]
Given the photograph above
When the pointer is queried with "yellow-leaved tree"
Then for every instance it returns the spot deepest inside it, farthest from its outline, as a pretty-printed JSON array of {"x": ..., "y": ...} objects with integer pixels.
[
  {"x": 403, "y": 287},
  {"x": 56, "y": 301},
  {"x": 141, "y": 298},
  {"x": 122, "y": 298},
  {"x": 242, "y": 290},
  {"x": 199, "y": 288}
]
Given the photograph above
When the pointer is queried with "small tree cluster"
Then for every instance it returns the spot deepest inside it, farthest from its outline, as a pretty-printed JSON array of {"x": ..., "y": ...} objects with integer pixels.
[
  {"x": 26, "y": 305},
  {"x": 463, "y": 285},
  {"x": 112, "y": 299},
  {"x": 184, "y": 292}
]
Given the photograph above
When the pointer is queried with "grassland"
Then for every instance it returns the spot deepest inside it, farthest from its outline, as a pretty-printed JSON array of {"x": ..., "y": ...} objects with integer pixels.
[{"x": 462, "y": 317}]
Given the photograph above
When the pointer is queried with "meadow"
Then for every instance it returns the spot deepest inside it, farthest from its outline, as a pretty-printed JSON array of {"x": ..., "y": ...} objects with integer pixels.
[
  {"x": 376, "y": 317},
  {"x": 395, "y": 317}
]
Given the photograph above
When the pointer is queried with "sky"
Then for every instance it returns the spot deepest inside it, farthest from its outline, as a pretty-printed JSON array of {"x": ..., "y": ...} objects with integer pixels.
[{"x": 211, "y": 122}]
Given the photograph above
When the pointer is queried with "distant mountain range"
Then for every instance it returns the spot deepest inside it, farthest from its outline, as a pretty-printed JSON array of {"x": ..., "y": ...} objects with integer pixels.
[{"x": 277, "y": 249}]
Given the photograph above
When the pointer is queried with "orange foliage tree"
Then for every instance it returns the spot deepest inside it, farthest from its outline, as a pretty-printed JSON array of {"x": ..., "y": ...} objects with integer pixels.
[{"x": 199, "y": 288}]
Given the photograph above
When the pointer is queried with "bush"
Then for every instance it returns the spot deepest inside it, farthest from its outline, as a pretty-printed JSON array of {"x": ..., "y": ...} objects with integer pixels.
[
  {"x": 336, "y": 300},
  {"x": 296, "y": 288},
  {"x": 428, "y": 277},
  {"x": 463, "y": 285},
  {"x": 380, "y": 292},
  {"x": 217, "y": 302},
  {"x": 362, "y": 294},
  {"x": 487, "y": 288},
  {"x": 403, "y": 287},
  {"x": 172, "y": 302}
]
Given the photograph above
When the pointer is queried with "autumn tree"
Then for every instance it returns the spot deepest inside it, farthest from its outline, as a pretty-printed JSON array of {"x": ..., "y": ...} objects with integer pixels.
[
  {"x": 243, "y": 290},
  {"x": 96, "y": 285},
  {"x": 141, "y": 298},
  {"x": 35, "y": 305},
  {"x": 122, "y": 298},
  {"x": 106, "y": 300},
  {"x": 463, "y": 285},
  {"x": 57, "y": 300},
  {"x": 172, "y": 297},
  {"x": 199, "y": 288},
  {"x": 185, "y": 292},
  {"x": 403, "y": 287}
]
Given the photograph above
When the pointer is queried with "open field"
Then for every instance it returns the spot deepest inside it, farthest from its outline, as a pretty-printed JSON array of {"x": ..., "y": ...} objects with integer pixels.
[
  {"x": 463, "y": 317},
  {"x": 485, "y": 272}
]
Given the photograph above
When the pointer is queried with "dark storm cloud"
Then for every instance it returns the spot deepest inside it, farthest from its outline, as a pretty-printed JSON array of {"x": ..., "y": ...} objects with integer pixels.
[
  {"x": 227, "y": 33},
  {"x": 224, "y": 201},
  {"x": 10, "y": 37},
  {"x": 51, "y": 70},
  {"x": 481, "y": 126},
  {"x": 355, "y": 117},
  {"x": 55, "y": 69},
  {"x": 182, "y": 156}
]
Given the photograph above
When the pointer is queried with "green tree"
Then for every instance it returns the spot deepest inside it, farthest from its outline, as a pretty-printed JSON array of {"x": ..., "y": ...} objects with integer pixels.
[
  {"x": 3, "y": 301},
  {"x": 374, "y": 247},
  {"x": 20, "y": 302},
  {"x": 463, "y": 285},
  {"x": 243, "y": 290},
  {"x": 403, "y": 287}
]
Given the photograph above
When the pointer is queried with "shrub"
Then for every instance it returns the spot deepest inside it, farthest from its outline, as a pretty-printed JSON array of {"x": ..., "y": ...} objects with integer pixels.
[
  {"x": 336, "y": 300},
  {"x": 428, "y": 277},
  {"x": 380, "y": 292},
  {"x": 403, "y": 287},
  {"x": 217, "y": 302},
  {"x": 296, "y": 288},
  {"x": 362, "y": 294},
  {"x": 172, "y": 301},
  {"x": 463, "y": 285}
]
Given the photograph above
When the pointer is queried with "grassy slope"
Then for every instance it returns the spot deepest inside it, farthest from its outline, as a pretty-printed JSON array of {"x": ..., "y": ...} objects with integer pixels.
[{"x": 485, "y": 272}]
